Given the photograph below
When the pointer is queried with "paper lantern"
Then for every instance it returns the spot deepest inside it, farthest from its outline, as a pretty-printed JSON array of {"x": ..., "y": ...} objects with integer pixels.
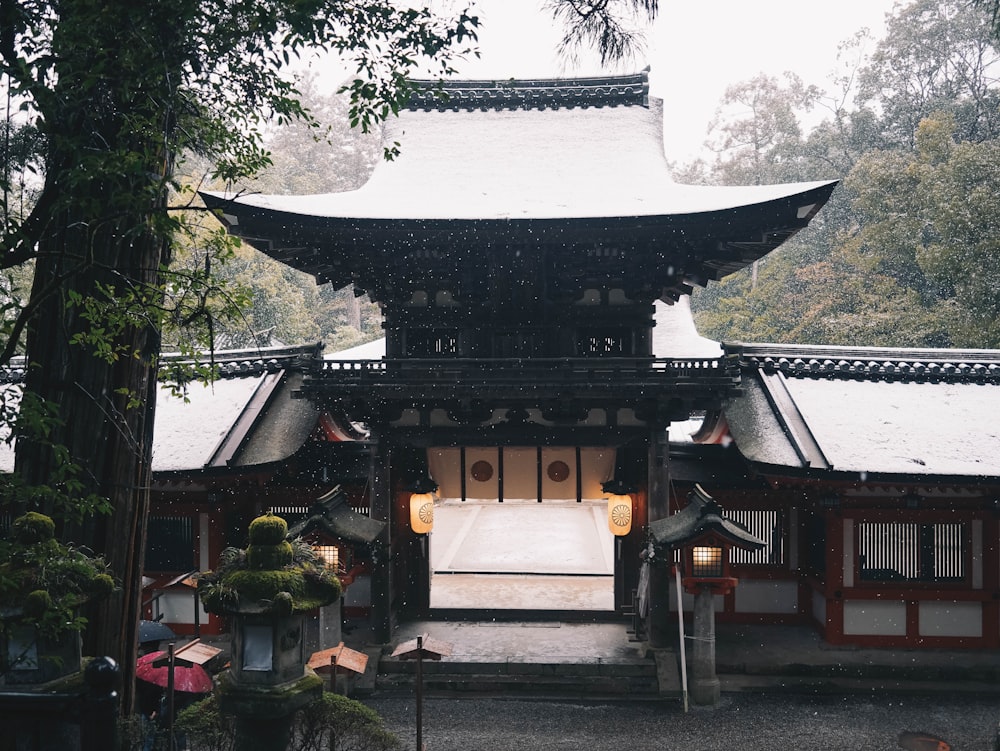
[
  {"x": 619, "y": 514},
  {"x": 421, "y": 512}
]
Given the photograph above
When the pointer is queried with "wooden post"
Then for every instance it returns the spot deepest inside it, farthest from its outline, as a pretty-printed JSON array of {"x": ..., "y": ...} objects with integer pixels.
[
  {"x": 420, "y": 693},
  {"x": 658, "y": 507},
  {"x": 381, "y": 509}
]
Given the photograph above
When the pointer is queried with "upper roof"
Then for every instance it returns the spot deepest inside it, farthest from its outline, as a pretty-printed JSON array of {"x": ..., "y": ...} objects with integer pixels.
[
  {"x": 551, "y": 149},
  {"x": 869, "y": 412},
  {"x": 524, "y": 160}
]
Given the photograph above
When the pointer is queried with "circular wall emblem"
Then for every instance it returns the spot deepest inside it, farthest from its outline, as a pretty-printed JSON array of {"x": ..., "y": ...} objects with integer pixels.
[
  {"x": 558, "y": 471},
  {"x": 482, "y": 471},
  {"x": 621, "y": 515}
]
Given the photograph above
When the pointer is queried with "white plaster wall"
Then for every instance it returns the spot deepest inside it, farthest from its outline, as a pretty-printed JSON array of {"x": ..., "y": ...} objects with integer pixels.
[
  {"x": 767, "y": 597},
  {"x": 875, "y": 618},
  {"x": 520, "y": 471},
  {"x": 177, "y": 606},
  {"x": 687, "y": 602},
  {"x": 819, "y": 608},
  {"x": 359, "y": 593},
  {"x": 951, "y": 619}
]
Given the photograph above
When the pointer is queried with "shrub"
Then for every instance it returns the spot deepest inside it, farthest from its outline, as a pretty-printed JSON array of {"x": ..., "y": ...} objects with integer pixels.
[
  {"x": 331, "y": 723},
  {"x": 337, "y": 723}
]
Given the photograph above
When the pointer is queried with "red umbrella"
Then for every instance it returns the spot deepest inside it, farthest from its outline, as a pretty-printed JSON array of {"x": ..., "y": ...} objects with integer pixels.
[{"x": 191, "y": 679}]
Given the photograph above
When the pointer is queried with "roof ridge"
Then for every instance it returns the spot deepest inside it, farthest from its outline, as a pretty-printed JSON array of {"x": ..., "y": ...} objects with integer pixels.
[
  {"x": 231, "y": 363},
  {"x": 758, "y": 350},
  {"x": 919, "y": 369},
  {"x": 540, "y": 93}
]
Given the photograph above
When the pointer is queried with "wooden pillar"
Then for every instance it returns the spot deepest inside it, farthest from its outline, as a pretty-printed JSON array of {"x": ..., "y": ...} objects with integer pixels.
[
  {"x": 836, "y": 555},
  {"x": 659, "y": 628},
  {"x": 381, "y": 509}
]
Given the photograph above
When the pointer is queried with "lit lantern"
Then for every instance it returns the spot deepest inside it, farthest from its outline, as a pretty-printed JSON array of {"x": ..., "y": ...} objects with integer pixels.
[
  {"x": 707, "y": 561},
  {"x": 619, "y": 507},
  {"x": 422, "y": 506}
]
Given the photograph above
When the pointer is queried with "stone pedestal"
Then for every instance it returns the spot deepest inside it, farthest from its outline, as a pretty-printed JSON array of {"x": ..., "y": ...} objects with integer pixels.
[{"x": 704, "y": 688}]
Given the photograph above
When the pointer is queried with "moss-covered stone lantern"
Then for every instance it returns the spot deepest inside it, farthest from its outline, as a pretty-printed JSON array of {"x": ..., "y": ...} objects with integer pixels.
[
  {"x": 43, "y": 583},
  {"x": 266, "y": 590}
]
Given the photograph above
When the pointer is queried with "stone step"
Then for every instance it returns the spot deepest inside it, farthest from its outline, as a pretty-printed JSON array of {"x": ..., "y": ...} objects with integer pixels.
[{"x": 581, "y": 678}]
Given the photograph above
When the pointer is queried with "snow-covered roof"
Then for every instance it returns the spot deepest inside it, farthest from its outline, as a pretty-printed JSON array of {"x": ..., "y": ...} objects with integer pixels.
[
  {"x": 530, "y": 149},
  {"x": 675, "y": 335},
  {"x": 870, "y": 412},
  {"x": 550, "y": 162},
  {"x": 187, "y": 432},
  {"x": 245, "y": 417}
]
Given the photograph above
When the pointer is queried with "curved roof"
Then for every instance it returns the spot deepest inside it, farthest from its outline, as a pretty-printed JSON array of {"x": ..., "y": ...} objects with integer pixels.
[
  {"x": 526, "y": 164},
  {"x": 557, "y": 161}
]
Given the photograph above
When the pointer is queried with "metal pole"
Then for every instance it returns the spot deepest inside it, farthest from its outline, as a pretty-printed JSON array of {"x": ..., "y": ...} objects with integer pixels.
[
  {"x": 420, "y": 693},
  {"x": 680, "y": 625},
  {"x": 170, "y": 697}
]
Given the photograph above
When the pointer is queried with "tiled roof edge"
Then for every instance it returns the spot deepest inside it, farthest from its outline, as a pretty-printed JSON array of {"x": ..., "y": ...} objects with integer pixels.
[
  {"x": 541, "y": 93},
  {"x": 238, "y": 363},
  {"x": 228, "y": 363},
  {"x": 877, "y": 364}
]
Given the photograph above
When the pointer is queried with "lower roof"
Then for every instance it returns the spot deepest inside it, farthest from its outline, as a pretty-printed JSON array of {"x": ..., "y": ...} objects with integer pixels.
[{"x": 869, "y": 412}]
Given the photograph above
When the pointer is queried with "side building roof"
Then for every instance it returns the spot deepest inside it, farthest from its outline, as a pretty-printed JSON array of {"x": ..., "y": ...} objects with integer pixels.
[
  {"x": 246, "y": 417},
  {"x": 869, "y": 413}
]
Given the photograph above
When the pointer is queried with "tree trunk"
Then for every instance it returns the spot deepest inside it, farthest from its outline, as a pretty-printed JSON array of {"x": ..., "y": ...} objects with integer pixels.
[{"x": 105, "y": 408}]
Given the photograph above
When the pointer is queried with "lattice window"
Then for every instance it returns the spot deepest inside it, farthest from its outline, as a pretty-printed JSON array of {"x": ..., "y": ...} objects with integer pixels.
[
  {"x": 765, "y": 525},
  {"x": 613, "y": 342},
  {"x": 431, "y": 342},
  {"x": 170, "y": 544},
  {"x": 908, "y": 551}
]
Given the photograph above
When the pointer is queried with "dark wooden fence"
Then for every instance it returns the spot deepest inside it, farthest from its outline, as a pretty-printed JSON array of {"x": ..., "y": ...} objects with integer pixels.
[{"x": 83, "y": 720}]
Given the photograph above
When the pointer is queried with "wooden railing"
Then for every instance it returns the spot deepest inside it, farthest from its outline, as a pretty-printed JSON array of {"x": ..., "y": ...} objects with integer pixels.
[{"x": 586, "y": 373}]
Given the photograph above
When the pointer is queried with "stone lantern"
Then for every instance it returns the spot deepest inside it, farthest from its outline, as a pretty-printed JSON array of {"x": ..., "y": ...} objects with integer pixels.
[
  {"x": 704, "y": 537},
  {"x": 266, "y": 590},
  {"x": 46, "y": 583}
]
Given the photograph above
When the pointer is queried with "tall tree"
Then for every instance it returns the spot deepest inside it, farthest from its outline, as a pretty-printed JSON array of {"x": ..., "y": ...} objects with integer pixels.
[
  {"x": 118, "y": 89},
  {"x": 756, "y": 132},
  {"x": 937, "y": 55}
]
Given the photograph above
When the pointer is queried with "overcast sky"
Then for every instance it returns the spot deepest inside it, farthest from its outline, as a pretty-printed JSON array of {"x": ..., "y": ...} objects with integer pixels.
[{"x": 695, "y": 49}]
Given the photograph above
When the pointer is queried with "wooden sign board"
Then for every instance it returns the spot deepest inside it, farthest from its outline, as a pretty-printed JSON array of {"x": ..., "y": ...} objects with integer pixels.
[
  {"x": 347, "y": 660},
  {"x": 192, "y": 653},
  {"x": 431, "y": 649}
]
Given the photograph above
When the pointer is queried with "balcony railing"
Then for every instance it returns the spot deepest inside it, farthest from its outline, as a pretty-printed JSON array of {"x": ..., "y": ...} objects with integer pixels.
[{"x": 606, "y": 376}]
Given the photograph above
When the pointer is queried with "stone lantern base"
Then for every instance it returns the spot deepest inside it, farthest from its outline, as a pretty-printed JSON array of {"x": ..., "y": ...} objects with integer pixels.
[{"x": 264, "y": 713}]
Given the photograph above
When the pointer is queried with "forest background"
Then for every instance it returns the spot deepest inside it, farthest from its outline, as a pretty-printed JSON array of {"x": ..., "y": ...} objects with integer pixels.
[{"x": 906, "y": 254}]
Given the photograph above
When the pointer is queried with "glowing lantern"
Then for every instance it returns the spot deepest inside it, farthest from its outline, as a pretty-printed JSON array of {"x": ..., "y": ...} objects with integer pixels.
[
  {"x": 619, "y": 507},
  {"x": 706, "y": 561},
  {"x": 422, "y": 506}
]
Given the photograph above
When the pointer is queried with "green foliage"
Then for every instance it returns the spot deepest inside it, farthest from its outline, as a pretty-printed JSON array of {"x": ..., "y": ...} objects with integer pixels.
[
  {"x": 331, "y": 723},
  {"x": 272, "y": 572},
  {"x": 262, "y": 557},
  {"x": 206, "y": 728},
  {"x": 43, "y": 582},
  {"x": 268, "y": 530},
  {"x": 904, "y": 254},
  {"x": 607, "y": 26},
  {"x": 337, "y": 723}
]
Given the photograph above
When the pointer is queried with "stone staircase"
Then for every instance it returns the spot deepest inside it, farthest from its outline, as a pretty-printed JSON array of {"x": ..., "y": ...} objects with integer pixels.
[{"x": 652, "y": 676}]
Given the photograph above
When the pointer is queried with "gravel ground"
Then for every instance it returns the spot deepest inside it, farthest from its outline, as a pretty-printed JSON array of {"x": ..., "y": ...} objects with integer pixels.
[{"x": 740, "y": 721}]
